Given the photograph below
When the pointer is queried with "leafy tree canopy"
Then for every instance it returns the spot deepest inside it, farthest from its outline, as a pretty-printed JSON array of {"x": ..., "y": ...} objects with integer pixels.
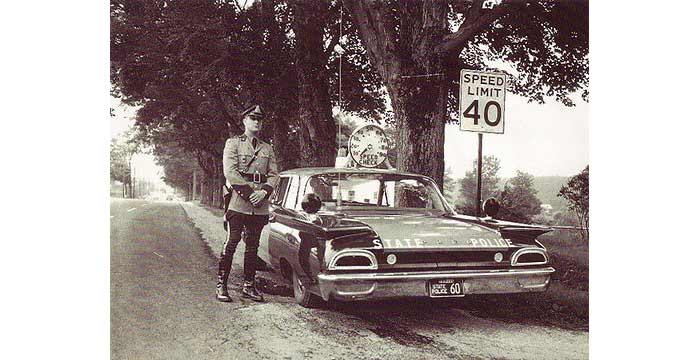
[
  {"x": 518, "y": 199},
  {"x": 121, "y": 149},
  {"x": 418, "y": 48},
  {"x": 576, "y": 193},
  {"x": 544, "y": 45},
  {"x": 490, "y": 167},
  {"x": 193, "y": 66}
]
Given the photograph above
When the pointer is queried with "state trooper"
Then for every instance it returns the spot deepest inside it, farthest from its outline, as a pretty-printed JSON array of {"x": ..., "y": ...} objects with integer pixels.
[{"x": 251, "y": 174}]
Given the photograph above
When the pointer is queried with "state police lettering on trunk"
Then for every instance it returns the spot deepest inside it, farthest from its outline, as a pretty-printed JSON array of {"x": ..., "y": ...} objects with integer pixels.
[{"x": 391, "y": 243}]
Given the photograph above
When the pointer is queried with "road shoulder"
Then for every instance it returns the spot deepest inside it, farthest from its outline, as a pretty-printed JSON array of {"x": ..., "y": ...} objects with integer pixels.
[{"x": 210, "y": 227}]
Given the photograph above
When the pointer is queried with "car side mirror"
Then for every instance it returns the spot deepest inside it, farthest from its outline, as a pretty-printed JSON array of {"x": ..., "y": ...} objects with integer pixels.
[
  {"x": 311, "y": 203},
  {"x": 491, "y": 207}
]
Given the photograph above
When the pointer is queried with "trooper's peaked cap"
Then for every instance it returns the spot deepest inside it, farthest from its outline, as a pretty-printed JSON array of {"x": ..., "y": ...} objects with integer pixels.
[{"x": 253, "y": 111}]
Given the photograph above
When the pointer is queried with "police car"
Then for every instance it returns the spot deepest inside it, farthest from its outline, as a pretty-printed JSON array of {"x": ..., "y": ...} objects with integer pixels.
[{"x": 356, "y": 233}]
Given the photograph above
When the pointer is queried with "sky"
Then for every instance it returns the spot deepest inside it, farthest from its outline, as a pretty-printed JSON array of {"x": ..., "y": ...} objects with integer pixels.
[
  {"x": 144, "y": 165},
  {"x": 547, "y": 139},
  {"x": 123, "y": 117},
  {"x": 540, "y": 139}
]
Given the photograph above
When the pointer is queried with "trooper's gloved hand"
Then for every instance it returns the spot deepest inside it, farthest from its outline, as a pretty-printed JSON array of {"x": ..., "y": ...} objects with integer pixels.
[{"x": 257, "y": 196}]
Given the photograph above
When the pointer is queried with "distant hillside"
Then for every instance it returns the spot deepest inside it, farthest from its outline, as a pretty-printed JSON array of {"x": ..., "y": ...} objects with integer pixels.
[{"x": 547, "y": 189}]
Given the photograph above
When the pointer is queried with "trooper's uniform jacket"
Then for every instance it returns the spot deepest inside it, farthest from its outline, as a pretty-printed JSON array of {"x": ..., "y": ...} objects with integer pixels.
[{"x": 249, "y": 169}]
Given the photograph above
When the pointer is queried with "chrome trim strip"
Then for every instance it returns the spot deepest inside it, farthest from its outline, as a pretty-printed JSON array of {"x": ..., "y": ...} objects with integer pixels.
[
  {"x": 357, "y": 293},
  {"x": 349, "y": 228},
  {"x": 530, "y": 287},
  {"x": 540, "y": 244},
  {"x": 458, "y": 274},
  {"x": 528, "y": 250},
  {"x": 293, "y": 181},
  {"x": 353, "y": 252},
  {"x": 524, "y": 228}
]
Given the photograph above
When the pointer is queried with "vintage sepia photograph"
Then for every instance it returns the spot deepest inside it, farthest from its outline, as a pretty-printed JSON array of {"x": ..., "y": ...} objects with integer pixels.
[{"x": 349, "y": 179}]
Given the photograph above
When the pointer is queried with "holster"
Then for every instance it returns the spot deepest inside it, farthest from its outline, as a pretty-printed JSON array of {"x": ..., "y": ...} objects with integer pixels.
[{"x": 243, "y": 190}]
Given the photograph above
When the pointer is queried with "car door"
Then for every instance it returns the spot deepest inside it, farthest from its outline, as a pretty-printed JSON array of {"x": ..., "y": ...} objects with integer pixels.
[{"x": 270, "y": 234}]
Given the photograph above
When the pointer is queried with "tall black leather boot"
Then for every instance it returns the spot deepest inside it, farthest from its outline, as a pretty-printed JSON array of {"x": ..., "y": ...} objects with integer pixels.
[
  {"x": 222, "y": 287},
  {"x": 249, "y": 291}
]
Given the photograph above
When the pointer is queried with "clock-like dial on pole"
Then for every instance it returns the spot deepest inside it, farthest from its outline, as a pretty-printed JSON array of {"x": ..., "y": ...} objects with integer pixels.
[{"x": 368, "y": 146}]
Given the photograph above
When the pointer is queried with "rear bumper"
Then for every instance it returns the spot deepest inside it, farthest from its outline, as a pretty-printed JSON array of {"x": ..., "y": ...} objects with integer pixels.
[{"x": 414, "y": 284}]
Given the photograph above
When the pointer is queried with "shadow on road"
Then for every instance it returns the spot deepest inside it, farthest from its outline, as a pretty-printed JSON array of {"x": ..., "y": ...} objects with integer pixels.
[{"x": 545, "y": 309}]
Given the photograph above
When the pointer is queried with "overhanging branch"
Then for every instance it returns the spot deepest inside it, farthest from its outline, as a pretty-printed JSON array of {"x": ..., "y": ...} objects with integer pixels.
[
  {"x": 377, "y": 34},
  {"x": 475, "y": 20},
  {"x": 332, "y": 42}
]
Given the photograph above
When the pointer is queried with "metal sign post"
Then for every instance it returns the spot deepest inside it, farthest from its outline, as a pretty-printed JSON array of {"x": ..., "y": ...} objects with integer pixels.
[
  {"x": 478, "y": 178},
  {"x": 482, "y": 103}
]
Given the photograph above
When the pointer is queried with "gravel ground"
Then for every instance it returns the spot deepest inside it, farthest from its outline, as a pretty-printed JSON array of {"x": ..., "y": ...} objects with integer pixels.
[{"x": 490, "y": 327}]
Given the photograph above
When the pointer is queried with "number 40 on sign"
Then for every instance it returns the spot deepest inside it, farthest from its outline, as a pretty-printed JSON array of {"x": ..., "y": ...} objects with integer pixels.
[{"x": 482, "y": 100}]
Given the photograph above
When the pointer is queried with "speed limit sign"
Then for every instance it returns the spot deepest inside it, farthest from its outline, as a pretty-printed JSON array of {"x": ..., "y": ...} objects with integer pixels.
[{"x": 482, "y": 101}]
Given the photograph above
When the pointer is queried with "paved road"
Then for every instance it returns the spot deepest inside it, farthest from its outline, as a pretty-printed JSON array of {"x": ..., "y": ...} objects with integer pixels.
[{"x": 163, "y": 307}]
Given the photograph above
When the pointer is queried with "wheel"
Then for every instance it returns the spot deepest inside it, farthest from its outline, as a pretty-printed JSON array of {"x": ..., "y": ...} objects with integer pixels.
[{"x": 302, "y": 295}]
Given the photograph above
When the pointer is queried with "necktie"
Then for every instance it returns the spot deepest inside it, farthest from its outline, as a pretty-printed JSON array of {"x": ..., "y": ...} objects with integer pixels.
[{"x": 255, "y": 143}]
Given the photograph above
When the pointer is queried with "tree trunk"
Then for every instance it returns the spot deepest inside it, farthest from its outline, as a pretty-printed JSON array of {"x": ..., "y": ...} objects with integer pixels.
[
  {"x": 420, "y": 111},
  {"x": 220, "y": 194},
  {"x": 211, "y": 194},
  {"x": 316, "y": 123},
  {"x": 404, "y": 53},
  {"x": 194, "y": 185},
  {"x": 284, "y": 154},
  {"x": 286, "y": 148}
]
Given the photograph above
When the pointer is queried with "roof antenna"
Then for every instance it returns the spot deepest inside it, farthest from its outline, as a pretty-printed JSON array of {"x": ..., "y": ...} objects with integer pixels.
[{"x": 339, "y": 49}]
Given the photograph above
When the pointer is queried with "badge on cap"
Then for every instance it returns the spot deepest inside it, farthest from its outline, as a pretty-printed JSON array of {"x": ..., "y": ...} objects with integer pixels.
[{"x": 253, "y": 111}]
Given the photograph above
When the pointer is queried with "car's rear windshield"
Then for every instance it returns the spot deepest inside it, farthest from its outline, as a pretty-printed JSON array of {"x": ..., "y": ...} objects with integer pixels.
[{"x": 366, "y": 190}]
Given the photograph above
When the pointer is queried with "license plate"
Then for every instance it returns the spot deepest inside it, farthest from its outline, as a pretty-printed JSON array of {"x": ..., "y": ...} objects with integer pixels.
[{"x": 445, "y": 288}]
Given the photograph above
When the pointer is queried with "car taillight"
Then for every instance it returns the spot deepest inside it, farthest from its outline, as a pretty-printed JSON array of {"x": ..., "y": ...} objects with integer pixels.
[
  {"x": 353, "y": 259},
  {"x": 529, "y": 256}
]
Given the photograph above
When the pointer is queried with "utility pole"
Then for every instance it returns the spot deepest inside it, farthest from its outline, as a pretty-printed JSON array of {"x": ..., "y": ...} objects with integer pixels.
[
  {"x": 132, "y": 176},
  {"x": 194, "y": 184}
]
